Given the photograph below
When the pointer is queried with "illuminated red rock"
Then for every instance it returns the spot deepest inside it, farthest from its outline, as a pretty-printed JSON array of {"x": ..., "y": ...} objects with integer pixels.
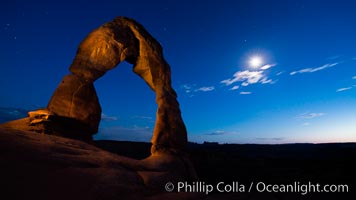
[
  {"x": 120, "y": 40},
  {"x": 74, "y": 111},
  {"x": 75, "y": 105},
  {"x": 75, "y": 98}
]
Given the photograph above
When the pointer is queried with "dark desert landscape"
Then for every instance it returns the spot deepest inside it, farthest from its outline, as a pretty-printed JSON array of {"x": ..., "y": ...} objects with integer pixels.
[
  {"x": 49, "y": 167},
  {"x": 153, "y": 100}
]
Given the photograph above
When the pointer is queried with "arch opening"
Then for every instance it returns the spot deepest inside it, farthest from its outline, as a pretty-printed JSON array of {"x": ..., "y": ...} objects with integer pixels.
[
  {"x": 103, "y": 49},
  {"x": 128, "y": 106}
]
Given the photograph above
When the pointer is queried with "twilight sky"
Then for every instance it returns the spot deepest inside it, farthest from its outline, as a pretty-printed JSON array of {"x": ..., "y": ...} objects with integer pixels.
[{"x": 245, "y": 71}]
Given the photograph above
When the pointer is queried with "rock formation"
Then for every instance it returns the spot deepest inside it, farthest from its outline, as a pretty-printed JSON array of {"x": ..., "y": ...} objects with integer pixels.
[
  {"x": 42, "y": 167},
  {"x": 61, "y": 164},
  {"x": 74, "y": 110}
]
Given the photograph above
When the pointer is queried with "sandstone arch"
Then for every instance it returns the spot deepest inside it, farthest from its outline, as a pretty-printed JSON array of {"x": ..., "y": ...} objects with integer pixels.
[{"x": 122, "y": 39}]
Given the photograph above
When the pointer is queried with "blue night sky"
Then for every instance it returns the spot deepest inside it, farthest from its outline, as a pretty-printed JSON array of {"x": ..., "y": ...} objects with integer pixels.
[{"x": 245, "y": 71}]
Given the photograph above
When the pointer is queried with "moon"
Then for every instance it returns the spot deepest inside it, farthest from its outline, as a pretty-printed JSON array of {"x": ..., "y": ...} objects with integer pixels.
[{"x": 255, "y": 61}]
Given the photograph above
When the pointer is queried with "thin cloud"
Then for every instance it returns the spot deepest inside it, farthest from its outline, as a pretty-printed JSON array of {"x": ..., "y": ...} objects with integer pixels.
[
  {"x": 247, "y": 77},
  {"x": 9, "y": 114},
  {"x": 343, "y": 89},
  {"x": 244, "y": 84},
  {"x": 354, "y": 77},
  {"x": 279, "y": 73},
  {"x": 265, "y": 80},
  {"x": 13, "y": 112},
  {"x": 267, "y": 66},
  {"x": 205, "y": 89},
  {"x": 108, "y": 118},
  {"x": 219, "y": 132},
  {"x": 311, "y": 70},
  {"x": 191, "y": 89},
  {"x": 187, "y": 88},
  {"x": 310, "y": 115},
  {"x": 235, "y": 87},
  {"x": 245, "y": 93},
  {"x": 274, "y": 138},
  {"x": 306, "y": 124},
  {"x": 333, "y": 57}
]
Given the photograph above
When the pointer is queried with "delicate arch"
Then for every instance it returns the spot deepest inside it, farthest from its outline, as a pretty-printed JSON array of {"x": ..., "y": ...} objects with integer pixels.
[{"x": 103, "y": 49}]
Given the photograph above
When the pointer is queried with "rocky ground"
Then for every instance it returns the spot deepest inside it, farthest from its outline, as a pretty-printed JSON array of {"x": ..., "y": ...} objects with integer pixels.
[{"x": 40, "y": 166}]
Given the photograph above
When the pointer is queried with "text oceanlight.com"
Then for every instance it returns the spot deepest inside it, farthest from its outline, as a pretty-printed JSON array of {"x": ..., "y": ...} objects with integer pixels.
[{"x": 222, "y": 187}]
